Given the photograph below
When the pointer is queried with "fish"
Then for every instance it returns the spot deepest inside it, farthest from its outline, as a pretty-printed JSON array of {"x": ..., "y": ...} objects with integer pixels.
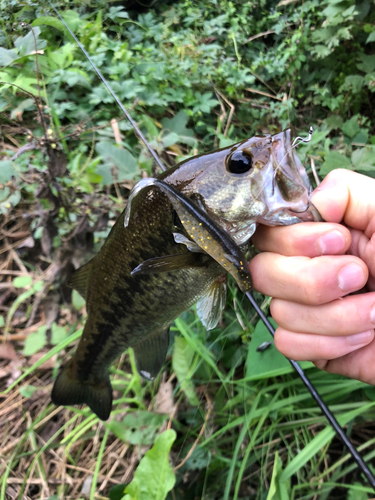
[{"x": 173, "y": 246}]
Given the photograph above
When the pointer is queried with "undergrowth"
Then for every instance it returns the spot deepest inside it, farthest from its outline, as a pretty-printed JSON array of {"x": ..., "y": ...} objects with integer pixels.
[{"x": 222, "y": 421}]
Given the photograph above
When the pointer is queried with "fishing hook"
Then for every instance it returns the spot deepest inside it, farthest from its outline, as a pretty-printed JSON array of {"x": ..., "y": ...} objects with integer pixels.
[
  {"x": 314, "y": 393},
  {"x": 299, "y": 140}
]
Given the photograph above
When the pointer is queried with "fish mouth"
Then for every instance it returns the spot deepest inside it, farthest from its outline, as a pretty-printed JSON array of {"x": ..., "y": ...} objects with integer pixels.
[
  {"x": 288, "y": 216},
  {"x": 287, "y": 188}
]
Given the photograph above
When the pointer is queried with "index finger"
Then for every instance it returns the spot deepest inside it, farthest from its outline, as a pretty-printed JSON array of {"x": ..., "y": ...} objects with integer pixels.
[
  {"x": 310, "y": 239},
  {"x": 346, "y": 196}
]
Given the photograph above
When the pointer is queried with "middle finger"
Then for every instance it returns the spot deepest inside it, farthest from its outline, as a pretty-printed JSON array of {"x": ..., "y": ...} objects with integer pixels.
[{"x": 346, "y": 316}]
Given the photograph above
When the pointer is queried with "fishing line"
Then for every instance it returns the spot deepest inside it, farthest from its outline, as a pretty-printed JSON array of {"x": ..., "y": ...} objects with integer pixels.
[
  {"x": 133, "y": 123},
  {"x": 298, "y": 140}
]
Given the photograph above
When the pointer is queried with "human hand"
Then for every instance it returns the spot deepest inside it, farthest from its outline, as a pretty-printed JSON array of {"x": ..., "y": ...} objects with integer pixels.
[{"x": 311, "y": 268}]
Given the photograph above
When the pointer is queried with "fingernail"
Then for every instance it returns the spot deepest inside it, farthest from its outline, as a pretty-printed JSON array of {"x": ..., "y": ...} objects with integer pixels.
[
  {"x": 360, "y": 338},
  {"x": 351, "y": 278},
  {"x": 331, "y": 243}
]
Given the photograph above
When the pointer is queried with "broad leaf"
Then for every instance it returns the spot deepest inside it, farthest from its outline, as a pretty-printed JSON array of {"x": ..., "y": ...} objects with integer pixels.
[
  {"x": 139, "y": 427},
  {"x": 7, "y": 57},
  {"x": 49, "y": 21},
  {"x": 154, "y": 476},
  {"x": 35, "y": 341},
  {"x": 125, "y": 163},
  {"x": 334, "y": 160},
  {"x": 268, "y": 363},
  {"x": 6, "y": 171}
]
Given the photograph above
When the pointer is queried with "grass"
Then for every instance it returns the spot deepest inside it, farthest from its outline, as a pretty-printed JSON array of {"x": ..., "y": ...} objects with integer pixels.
[{"x": 55, "y": 450}]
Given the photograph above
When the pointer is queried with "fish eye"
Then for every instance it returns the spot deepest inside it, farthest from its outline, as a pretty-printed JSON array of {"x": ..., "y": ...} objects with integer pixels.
[{"x": 239, "y": 162}]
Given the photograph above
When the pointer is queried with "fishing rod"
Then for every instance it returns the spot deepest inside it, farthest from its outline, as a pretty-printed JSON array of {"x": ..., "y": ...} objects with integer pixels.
[{"x": 314, "y": 393}]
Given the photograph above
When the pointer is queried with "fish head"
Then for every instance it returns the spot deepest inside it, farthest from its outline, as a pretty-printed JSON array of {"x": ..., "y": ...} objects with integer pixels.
[{"x": 258, "y": 180}]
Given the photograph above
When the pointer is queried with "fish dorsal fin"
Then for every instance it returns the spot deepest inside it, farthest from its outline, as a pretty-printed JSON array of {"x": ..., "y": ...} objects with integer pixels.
[
  {"x": 150, "y": 354},
  {"x": 209, "y": 307},
  {"x": 79, "y": 279},
  {"x": 168, "y": 263}
]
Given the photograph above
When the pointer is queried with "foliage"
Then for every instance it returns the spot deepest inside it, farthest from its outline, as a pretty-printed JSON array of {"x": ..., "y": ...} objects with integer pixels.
[
  {"x": 154, "y": 476},
  {"x": 195, "y": 76}
]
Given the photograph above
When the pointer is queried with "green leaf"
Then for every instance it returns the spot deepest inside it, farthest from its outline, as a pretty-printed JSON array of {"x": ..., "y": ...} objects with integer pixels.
[
  {"x": 7, "y": 171},
  {"x": 58, "y": 334},
  {"x": 154, "y": 476},
  {"x": 35, "y": 341},
  {"x": 26, "y": 104},
  {"x": 2, "y": 322},
  {"x": 279, "y": 490},
  {"x": 152, "y": 129},
  {"x": 334, "y": 160},
  {"x": 77, "y": 300},
  {"x": 29, "y": 43},
  {"x": 364, "y": 159},
  {"x": 72, "y": 19},
  {"x": 139, "y": 427},
  {"x": 353, "y": 83},
  {"x": 22, "y": 281},
  {"x": 125, "y": 162},
  {"x": 117, "y": 492},
  {"x": 27, "y": 391},
  {"x": 367, "y": 64},
  {"x": 321, "y": 51},
  {"x": 170, "y": 139},
  {"x": 268, "y": 363},
  {"x": 371, "y": 37},
  {"x": 351, "y": 127},
  {"x": 177, "y": 125},
  {"x": 357, "y": 492},
  {"x": 38, "y": 286},
  {"x": 334, "y": 121},
  {"x": 182, "y": 360},
  {"x": 49, "y": 21},
  {"x": 7, "y": 57}
]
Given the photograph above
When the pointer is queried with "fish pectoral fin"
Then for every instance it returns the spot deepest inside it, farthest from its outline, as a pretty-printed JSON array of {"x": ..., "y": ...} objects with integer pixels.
[
  {"x": 191, "y": 245},
  {"x": 150, "y": 354},
  {"x": 209, "y": 307},
  {"x": 68, "y": 390},
  {"x": 202, "y": 229},
  {"x": 168, "y": 263},
  {"x": 79, "y": 279}
]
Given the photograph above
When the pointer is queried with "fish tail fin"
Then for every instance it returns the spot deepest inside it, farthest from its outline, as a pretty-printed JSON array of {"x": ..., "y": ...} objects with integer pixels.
[{"x": 68, "y": 390}]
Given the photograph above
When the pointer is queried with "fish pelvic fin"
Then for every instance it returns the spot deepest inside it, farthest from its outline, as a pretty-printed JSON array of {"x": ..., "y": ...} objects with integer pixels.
[
  {"x": 68, "y": 390},
  {"x": 150, "y": 354}
]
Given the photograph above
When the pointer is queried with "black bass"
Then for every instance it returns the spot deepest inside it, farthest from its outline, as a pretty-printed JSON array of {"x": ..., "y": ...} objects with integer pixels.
[{"x": 172, "y": 247}]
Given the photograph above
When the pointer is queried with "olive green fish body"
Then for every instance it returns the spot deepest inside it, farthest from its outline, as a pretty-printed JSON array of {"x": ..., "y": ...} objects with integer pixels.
[
  {"x": 127, "y": 311},
  {"x": 172, "y": 247}
]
